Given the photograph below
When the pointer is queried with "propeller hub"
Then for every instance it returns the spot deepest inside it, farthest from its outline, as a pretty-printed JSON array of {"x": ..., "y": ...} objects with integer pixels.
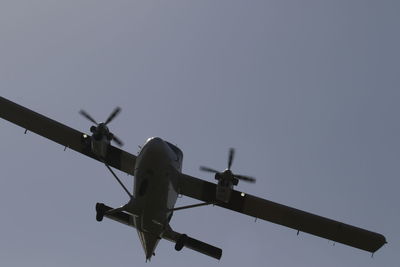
[
  {"x": 101, "y": 130},
  {"x": 228, "y": 172}
]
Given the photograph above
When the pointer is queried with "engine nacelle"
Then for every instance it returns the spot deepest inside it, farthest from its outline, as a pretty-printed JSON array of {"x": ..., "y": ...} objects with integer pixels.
[
  {"x": 100, "y": 147},
  {"x": 224, "y": 189}
]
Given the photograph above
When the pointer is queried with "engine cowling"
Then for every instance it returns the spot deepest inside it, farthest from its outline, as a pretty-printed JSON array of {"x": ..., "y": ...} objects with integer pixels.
[
  {"x": 101, "y": 135},
  {"x": 100, "y": 147},
  {"x": 227, "y": 179},
  {"x": 224, "y": 190},
  {"x": 100, "y": 140}
]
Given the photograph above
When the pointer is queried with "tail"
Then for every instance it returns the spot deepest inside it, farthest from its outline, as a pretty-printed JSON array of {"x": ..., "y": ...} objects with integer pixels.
[{"x": 180, "y": 240}]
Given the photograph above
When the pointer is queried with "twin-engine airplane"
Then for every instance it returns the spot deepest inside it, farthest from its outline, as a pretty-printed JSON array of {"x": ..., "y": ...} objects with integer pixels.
[{"x": 158, "y": 181}]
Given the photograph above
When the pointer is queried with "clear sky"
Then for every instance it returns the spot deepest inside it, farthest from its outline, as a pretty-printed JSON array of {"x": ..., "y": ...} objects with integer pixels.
[{"x": 306, "y": 91}]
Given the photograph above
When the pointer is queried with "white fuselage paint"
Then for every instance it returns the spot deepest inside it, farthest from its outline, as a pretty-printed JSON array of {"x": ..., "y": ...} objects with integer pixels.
[{"x": 155, "y": 191}]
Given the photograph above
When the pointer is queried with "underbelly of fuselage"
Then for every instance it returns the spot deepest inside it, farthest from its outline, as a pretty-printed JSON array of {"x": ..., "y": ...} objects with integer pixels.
[{"x": 155, "y": 192}]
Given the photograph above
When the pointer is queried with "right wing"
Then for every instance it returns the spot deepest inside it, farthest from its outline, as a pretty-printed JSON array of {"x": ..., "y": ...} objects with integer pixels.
[
  {"x": 283, "y": 215},
  {"x": 63, "y": 134}
]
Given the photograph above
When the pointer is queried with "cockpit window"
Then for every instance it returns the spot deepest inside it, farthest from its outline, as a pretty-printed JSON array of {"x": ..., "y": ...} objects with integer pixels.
[{"x": 177, "y": 151}]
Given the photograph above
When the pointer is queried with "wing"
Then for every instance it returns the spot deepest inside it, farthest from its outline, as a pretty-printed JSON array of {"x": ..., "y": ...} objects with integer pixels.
[
  {"x": 62, "y": 134},
  {"x": 283, "y": 215}
]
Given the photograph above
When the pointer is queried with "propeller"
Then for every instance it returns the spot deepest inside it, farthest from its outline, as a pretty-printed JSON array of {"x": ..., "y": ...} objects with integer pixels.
[
  {"x": 113, "y": 115},
  {"x": 228, "y": 173},
  {"x": 87, "y": 116},
  {"x": 206, "y": 169},
  {"x": 230, "y": 158},
  {"x": 101, "y": 129}
]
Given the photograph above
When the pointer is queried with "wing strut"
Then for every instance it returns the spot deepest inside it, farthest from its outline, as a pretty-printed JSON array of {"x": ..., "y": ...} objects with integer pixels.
[
  {"x": 193, "y": 206},
  {"x": 119, "y": 181}
]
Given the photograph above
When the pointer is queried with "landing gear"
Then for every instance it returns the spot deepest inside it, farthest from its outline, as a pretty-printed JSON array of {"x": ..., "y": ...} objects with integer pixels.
[{"x": 100, "y": 210}]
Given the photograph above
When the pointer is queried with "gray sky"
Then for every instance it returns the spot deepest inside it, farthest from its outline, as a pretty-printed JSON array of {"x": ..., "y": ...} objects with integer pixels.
[{"x": 306, "y": 91}]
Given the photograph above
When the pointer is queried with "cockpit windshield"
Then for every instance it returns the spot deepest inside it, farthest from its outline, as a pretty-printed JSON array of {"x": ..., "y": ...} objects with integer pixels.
[{"x": 177, "y": 151}]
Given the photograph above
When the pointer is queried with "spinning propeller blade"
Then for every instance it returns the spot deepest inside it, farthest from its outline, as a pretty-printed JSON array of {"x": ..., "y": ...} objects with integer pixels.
[
  {"x": 87, "y": 116},
  {"x": 206, "y": 169},
  {"x": 118, "y": 141},
  {"x": 112, "y": 115},
  {"x": 230, "y": 158},
  {"x": 245, "y": 178}
]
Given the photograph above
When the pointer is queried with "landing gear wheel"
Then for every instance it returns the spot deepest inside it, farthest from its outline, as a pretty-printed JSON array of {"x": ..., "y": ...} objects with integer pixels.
[{"x": 100, "y": 210}]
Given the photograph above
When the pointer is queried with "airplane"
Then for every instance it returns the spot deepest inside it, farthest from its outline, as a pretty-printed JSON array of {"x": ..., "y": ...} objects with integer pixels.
[{"x": 158, "y": 181}]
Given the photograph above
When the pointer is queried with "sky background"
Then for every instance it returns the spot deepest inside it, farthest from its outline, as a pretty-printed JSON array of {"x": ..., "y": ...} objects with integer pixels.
[{"x": 306, "y": 91}]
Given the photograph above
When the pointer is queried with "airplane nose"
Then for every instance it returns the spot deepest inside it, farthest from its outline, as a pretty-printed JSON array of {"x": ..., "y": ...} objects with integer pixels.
[
  {"x": 155, "y": 146},
  {"x": 154, "y": 140}
]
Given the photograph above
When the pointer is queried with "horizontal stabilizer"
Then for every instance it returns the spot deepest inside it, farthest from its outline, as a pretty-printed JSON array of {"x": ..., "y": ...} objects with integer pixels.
[
  {"x": 181, "y": 240},
  {"x": 121, "y": 217}
]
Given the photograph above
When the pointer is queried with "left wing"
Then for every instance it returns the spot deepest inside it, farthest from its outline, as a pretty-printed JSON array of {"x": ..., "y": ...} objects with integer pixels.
[
  {"x": 283, "y": 215},
  {"x": 63, "y": 134}
]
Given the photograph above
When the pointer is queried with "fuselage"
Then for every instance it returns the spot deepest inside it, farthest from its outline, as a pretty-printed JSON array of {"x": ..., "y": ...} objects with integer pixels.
[{"x": 155, "y": 190}]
